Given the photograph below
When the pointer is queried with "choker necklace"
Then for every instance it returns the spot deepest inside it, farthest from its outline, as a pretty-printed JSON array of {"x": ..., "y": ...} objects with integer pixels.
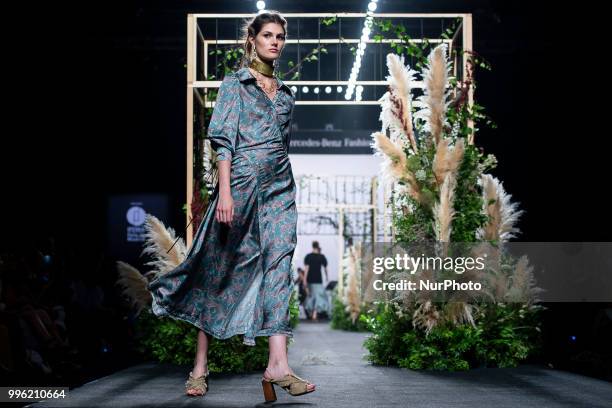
[{"x": 262, "y": 67}]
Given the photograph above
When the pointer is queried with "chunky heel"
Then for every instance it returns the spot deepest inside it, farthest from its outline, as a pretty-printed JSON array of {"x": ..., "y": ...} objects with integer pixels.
[
  {"x": 268, "y": 390},
  {"x": 291, "y": 383}
]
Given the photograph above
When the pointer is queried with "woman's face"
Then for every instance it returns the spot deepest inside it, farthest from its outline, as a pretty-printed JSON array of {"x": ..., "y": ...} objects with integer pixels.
[{"x": 270, "y": 41}]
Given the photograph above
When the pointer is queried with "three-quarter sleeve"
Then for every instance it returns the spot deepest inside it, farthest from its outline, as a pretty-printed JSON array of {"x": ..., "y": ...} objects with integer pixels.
[{"x": 223, "y": 126}]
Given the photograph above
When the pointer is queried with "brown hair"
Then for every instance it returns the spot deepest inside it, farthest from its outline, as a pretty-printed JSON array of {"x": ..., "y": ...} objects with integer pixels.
[{"x": 253, "y": 26}]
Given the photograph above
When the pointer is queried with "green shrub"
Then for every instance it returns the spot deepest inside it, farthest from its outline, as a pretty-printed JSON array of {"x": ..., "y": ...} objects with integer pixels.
[
  {"x": 446, "y": 348},
  {"x": 385, "y": 345},
  {"x": 504, "y": 336},
  {"x": 294, "y": 309},
  {"x": 341, "y": 319},
  {"x": 174, "y": 341},
  {"x": 510, "y": 333}
]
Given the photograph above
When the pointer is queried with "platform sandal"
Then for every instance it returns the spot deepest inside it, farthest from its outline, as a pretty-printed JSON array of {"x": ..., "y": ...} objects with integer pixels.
[{"x": 291, "y": 383}]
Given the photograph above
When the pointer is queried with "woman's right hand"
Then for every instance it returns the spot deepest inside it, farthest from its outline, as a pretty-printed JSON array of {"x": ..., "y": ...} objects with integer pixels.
[{"x": 225, "y": 208}]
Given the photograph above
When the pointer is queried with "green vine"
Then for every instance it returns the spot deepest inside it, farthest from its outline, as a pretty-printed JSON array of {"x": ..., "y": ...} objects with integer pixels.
[{"x": 468, "y": 199}]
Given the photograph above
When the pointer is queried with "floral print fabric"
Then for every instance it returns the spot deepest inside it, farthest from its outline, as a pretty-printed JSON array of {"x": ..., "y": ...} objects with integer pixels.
[{"x": 237, "y": 280}]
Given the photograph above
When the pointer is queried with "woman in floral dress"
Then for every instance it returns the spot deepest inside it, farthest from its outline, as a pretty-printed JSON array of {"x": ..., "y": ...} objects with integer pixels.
[{"x": 236, "y": 278}]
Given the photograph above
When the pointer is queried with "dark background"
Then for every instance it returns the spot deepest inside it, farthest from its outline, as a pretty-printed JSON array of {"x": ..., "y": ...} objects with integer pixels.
[
  {"x": 100, "y": 109},
  {"x": 95, "y": 105}
]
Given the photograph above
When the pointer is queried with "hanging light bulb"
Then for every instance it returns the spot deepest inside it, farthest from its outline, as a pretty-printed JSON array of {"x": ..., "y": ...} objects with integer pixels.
[{"x": 363, "y": 42}]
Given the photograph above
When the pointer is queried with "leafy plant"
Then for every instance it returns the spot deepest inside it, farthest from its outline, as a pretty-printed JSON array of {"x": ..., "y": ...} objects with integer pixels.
[
  {"x": 505, "y": 335},
  {"x": 341, "y": 319},
  {"x": 468, "y": 202},
  {"x": 174, "y": 341},
  {"x": 388, "y": 325},
  {"x": 441, "y": 193}
]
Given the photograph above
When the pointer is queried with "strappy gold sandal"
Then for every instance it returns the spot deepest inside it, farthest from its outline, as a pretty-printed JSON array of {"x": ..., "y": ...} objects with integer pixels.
[
  {"x": 199, "y": 385},
  {"x": 291, "y": 383}
]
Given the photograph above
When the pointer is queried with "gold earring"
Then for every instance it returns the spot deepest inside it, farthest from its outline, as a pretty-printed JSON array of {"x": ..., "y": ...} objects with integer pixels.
[{"x": 253, "y": 53}]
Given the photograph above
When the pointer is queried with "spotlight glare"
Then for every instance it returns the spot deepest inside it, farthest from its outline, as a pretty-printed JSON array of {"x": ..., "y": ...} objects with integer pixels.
[
  {"x": 261, "y": 5},
  {"x": 328, "y": 89},
  {"x": 305, "y": 89},
  {"x": 339, "y": 89},
  {"x": 371, "y": 6},
  {"x": 316, "y": 90}
]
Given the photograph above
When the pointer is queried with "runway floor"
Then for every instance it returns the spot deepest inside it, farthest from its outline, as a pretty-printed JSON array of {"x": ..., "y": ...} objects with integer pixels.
[{"x": 334, "y": 361}]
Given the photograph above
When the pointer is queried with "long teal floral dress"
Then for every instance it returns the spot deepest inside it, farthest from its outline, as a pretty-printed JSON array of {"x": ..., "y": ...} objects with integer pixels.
[{"x": 237, "y": 279}]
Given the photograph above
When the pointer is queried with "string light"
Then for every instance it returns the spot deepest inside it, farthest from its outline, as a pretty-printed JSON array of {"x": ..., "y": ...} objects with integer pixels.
[
  {"x": 359, "y": 91},
  {"x": 363, "y": 41}
]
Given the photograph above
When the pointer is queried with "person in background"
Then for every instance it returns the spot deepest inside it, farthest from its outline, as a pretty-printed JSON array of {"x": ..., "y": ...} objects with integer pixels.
[
  {"x": 301, "y": 286},
  {"x": 316, "y": 300}
]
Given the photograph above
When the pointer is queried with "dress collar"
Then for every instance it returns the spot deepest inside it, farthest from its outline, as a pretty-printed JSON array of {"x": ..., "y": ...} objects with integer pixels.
[{"x": 244, "y": 74}]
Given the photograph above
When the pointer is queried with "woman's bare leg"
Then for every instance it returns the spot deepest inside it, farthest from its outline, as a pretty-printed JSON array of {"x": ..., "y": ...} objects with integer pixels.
[
  {"x": 278, "y": 364},
  {"x": 200, "y": 364}
]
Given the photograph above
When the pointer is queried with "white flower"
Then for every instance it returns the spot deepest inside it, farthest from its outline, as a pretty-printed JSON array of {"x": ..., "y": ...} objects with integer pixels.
[{"x": 420, "y": 175}]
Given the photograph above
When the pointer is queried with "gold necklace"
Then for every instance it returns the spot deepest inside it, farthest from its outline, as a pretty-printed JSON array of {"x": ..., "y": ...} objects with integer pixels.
[
  {"x": 269, "y": 90},
  {"x": 260, "y": 66}
]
